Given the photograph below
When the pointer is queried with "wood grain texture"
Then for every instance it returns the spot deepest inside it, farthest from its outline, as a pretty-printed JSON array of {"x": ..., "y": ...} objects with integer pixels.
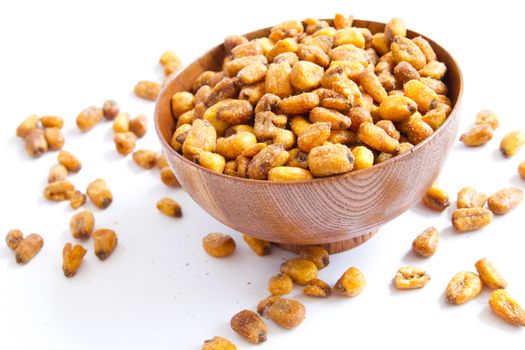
[{"x": 319, "y": 211}]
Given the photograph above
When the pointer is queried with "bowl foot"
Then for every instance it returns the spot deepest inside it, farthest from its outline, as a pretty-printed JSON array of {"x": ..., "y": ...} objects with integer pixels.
[{"x": 335, "y": 247}]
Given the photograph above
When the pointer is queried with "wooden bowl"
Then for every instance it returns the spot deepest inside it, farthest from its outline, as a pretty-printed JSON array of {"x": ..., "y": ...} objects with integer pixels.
[{"x": 338, "y": 212}]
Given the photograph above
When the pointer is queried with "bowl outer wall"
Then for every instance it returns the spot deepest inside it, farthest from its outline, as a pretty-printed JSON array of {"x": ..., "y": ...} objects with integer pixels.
[{"x": 318, "y": 211}]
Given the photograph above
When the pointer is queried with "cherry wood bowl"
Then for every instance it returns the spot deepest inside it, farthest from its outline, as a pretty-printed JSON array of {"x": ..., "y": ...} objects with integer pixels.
[{"x": 338, "y": 212}]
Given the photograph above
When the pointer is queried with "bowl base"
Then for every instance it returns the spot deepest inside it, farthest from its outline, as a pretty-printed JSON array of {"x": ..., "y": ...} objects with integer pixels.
[{"x": 335, "y": 247}]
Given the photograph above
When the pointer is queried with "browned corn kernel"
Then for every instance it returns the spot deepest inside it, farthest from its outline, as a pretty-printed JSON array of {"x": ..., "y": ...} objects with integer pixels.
[
  {"x": 507, "y": 308},
  {"x": 218, "y": 245},
  {"x": 278, "y": 80},
  {"x": 379, "y": 43},
  {"x": 251, "y": 48},
  {"x": 512, "y": 143},
  {"x": 426, "y": 243},
  {"x": 231, "y": 69},
  {"x": 470, "y": 219},
  {"x": 259, "y": 246},
  {"x": 252, "y": 93},
  {"x": 58, "y": 172},
  {"x": 59, "y": 190},
  {"x": 351, "y": 283},
  {"x": 436, "y": 199},
  {"x": 167, "y": 57},
  {"x": 341, "y": 22},
  {"x": 282, "y": 46},
  {"x": 344, "y": 137},
  {"x": 289, "y": 57},
  {"x": 28, "y": 248},
  {"x": 280, "y": 284},
  {"x": 202, "y": 137},
  {"x": 363, "y": 157},
  {"x": 139, "y": 125},
  {"x": 252, "y": 150},
  {"x": 148, "y": 90},
  {"x": 145, "y": 158},
  {"x": 211, "y": 161},
  {"x": 316, "y": 254},
  {"x": 99, "y": 193},
  {"x": 168, "y": 177},
  {"x": 52, "y": 121},
  {"x": 104, "y": 242},
  {"x": 416, "y": 129},
  {"x": 289, "y": 173},
  {"x": 230, "y": 168},
  {"x": 72, "y": 258},
  {"x": 250, "y": 326},
  {"x": 404, "y": 49},
  {"x": 478, "y": 135},
  {"x": 486, "y": 116},
  {"x": 121, "y": 123},
  {"x": 218, "y": 343},
  {"x": 232, "y": 146},
  {"x": 125, "y": 142},
  {"x": 35, "y": 143},
  {"x": 349, "y": 35},
  {"x": 330, "y": 160},
  {"x": 169, "y": 207},
  {"x": 298, "y": 125},
  {"x": 312, "y": 25},
  {"x": 424, "y": 96},
  {"x": 404, "y": 147},
  {"x": 435, "y": 117},
  {"x": 317, "y": 288},
  {"x": 313, "y": 135},
  {"x": 89, "y": 118},
  {"x": 204, "y": 79},
  {"x": 489, "y": 275},
  {"x": 425, "y": 47},
  {"x": 301, "y": 271},
  {"x": 372, "y": 86},
  {"x": 253, "y": 73},
  {"x": 389, "y": 128},
  {"x": 263, "y": 305},
  {"x": 404, "y": 72},
  {"x": 68, "y": 160},
  {"x": 377, "y": 138},
  {"x": 234, "y": 111},
  {"x": 306, "y": 76},
  {"x": 469, "y": 197},
  {"x": 433, "y": 69},
  {"x": 286, "y": 29},
  {"x": 383, "y": 157},
  {"x": 287, "y": 313},
  {"x": 172, "y": 67},
  {"x": 162, "y": 160},
  {"x": 110, "y": 109},
  {"x": 269, "y": 157},
  {"x": 30, "y": 123},
  {"x": 77, "y": 200},
  {"x": 181, "y": 102},
  {"x": 299, "y": 104},
  {"x": 14, "y": 238},
  {"x": 337, "y": 120},
  {"x": 54, "y": 138},
  {"x": 505, "y": 200},
  {"x": 394, "y": 28},
  {"x": 463, "y": 287},
  {"x": 397, "y": 108},
  {"x": 179, "y": 136},
  {"x": 411, "y": 277},
  {"x": 233, "y": 40},
  {"x": 359, "y": 115},
  {"x": 313, "y": 54},
  {"x": 81, "y": 224}
]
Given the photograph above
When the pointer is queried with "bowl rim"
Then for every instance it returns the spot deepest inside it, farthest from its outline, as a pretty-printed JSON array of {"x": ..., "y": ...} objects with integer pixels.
[{"x": 332, "y": 178}]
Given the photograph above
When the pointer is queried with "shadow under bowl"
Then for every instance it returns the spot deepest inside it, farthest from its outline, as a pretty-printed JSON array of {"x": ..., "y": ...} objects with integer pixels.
[{"x": 338, "y": 212}]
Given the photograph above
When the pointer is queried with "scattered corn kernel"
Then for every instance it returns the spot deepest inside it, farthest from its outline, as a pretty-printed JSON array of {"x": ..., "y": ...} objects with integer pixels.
[
  {"x": 169, "y": 207},
  {"x": 317, "y": 288},
  {"x": 505, "y": 200},
  {"x": 99, "y": 193},
  {"x": 89, "y": 118},
  {"x": 301, "y": 271},
  {"x": 68, "y": 160},
  {"x": 72, "y": 259},
  {"x": 28, "y": 248},
  {"x": 259, "y": 246},
  {"x": 426, "y": 243},
  {"x": 489, "y": 275},
  {"x": 218, "y": 245},
  {"x": 463, "y": 287},
  {"x": 104, "y": 243},
  {"x": 351, "y": 283},
  {"x": 81, "y": 224},
  {"x": 14, "y": 238},
  {"x": 148, "y": 90},
  {"x": 507, "y": 308},
  {"x": 249, "y": 326},
  {"x": 411, "y": 277},
  {"x": 280, "y": 284}
]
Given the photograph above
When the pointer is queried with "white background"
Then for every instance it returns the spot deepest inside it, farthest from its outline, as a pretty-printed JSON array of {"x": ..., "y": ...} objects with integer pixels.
[{"x": 159, "y": 290}]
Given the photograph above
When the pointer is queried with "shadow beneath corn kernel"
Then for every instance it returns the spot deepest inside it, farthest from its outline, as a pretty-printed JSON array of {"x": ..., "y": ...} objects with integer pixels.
[
  {"x": 112, "y": 155},
  {"x": 135, "y": 168},
  {"x": 421, "y": 209},
  {"x": 451, "y": 233},
  {"x": 410, "y": 258},
  {"x": 489, "y": 318},
  {"x": 497, "y": 156},
  {"x": 517, "y": 181}
]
